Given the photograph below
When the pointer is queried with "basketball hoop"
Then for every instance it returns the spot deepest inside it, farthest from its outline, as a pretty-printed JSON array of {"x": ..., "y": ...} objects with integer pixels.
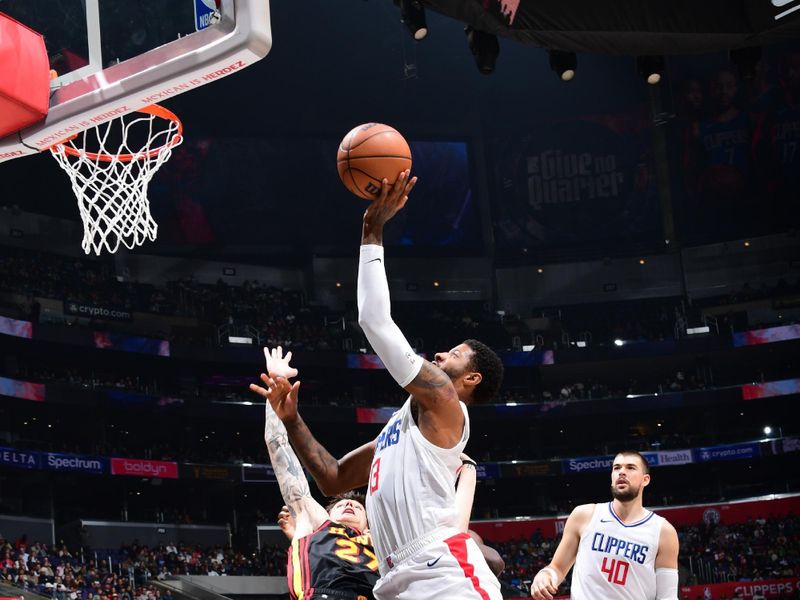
[{"x": 110, "y": 167}]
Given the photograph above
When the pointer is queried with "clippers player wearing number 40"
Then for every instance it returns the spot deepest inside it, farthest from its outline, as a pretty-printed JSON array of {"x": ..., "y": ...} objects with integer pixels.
[
  {"x": 621, "y": 551},
  {"x": 412, "y": 467}
]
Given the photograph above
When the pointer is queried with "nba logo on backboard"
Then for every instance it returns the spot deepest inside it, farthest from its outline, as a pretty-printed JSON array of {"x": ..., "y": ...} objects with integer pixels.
[{"x": 205, "y": 13}]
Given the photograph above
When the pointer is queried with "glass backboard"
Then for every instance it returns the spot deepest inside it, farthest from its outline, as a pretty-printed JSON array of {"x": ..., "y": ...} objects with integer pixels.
[{"x": 112, "y": 57}]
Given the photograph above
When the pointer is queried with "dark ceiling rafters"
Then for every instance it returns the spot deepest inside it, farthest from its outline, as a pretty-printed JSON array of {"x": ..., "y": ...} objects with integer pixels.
[{"x": 631, "y": 27}]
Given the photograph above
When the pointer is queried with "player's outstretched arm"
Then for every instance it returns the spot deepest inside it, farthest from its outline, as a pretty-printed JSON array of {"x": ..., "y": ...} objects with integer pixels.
[
  {"x": 667, "y": 563},
  {"x": 547, "y": 580},
  {"x": 307, "y": 513},
  {"x": 332, "y": 476},
  {"x": 429, "y": 385}
]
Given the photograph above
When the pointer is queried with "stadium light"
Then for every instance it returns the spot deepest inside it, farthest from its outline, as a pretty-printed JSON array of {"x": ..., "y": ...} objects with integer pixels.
[
  {"x": 618, "y": 342},
  {"x": 696, "y": 330},
  {"x": 767, "y": 430},
  {"x": 484, "y": 47},
  {"x": 235, "y": 339},
  {"x": 564, "y": 64},
  {"x": 412, "y": 15},
  {"x": 651, "y": 68}
]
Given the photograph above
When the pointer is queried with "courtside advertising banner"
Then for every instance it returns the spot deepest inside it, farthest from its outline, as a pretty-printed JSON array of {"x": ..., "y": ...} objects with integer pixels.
[
  {"x": 139, "y": 467},
  {"x": 22, "y": 459},
  {"x": 727, "y": 452},
  {"x": 258, "y": 473},
  {"x": 76, "y": 463},
  {"x": 600, "y": 463},
  {"x": 96, "y": 311},
  {"x": 746, "y": 590}
]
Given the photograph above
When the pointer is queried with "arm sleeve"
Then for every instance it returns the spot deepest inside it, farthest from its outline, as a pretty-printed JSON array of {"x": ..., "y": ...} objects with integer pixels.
[
  {"x": 374, "y": 317},
  {"x": 666, "y": 584}
]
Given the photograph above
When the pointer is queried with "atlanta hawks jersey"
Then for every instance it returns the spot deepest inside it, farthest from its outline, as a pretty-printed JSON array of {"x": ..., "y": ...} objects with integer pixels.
[
  {"x": 411, "y": 490},
  {"x": 617, "y": 561},
  {"x": 334, "y": 561}
]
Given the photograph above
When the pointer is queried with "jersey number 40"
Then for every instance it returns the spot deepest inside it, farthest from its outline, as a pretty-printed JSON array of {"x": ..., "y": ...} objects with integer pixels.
[{"x": 615, "y": 570}]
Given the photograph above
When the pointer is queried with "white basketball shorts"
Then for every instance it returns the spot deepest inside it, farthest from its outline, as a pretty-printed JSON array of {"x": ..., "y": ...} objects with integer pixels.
[{"x": 451, "y": 568}]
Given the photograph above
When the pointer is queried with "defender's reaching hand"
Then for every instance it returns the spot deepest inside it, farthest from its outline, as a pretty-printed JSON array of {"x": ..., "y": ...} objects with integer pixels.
[
  {"x": 281, "y": 394},
  {"x": 278, "y": 364}
]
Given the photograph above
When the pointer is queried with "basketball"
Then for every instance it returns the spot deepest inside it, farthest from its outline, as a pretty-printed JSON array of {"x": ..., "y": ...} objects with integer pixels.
[{"x": 370, "y": 153}]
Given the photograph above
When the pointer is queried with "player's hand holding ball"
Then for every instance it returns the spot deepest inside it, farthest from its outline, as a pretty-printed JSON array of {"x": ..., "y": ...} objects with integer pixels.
[{"x": 368, "y": 155}]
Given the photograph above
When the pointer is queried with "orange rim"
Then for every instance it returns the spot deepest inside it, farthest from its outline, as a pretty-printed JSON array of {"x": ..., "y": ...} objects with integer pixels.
[{"x": 153, "y": 109}]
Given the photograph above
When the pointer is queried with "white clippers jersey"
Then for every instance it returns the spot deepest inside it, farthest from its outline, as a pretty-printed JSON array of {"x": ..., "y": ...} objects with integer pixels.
[
  {"x": 617, "y": 561},
  {"x": 411, "y": 489}
]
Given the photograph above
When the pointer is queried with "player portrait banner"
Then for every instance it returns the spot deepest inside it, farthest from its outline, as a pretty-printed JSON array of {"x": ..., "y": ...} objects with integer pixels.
[
  {"x": 25, "y": 390},
  {"x": 746, "y": 590},
  {"x": 191, "y": 207},
  {"x": 576, "y": 183},
  {"x": 15, "y": 327},
  {"x": 96, "y": 311},
  {"x": 733, "y": 143},
  {"x": 138, "y": 467},
  {"x": 76, "y": 463},
  {"x": 21, "y": 459}
]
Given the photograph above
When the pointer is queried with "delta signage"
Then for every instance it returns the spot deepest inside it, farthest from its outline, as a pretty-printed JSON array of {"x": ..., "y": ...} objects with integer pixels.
[
  {"x": 138, "y": 467},
  {"x": 22, "y": 459}
]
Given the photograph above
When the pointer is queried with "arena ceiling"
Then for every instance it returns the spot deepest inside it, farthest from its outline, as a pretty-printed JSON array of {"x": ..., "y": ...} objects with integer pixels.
[{"x": 631, "y": 27}]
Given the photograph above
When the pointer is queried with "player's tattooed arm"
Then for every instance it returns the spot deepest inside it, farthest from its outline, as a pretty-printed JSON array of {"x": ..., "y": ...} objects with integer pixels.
[
  {"x": 332, "y": 476},
  {"x": 288, "y": 470},
  {"x": 431, "y": 377},
  {"x": 307, "y": 512}
]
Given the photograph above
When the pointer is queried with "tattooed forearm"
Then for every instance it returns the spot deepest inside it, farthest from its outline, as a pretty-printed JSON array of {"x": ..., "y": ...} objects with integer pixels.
[
  {"x": 320, "y": 463},
  {"x": 430, "y": 376},
  {"x": 288, "y": 471}
]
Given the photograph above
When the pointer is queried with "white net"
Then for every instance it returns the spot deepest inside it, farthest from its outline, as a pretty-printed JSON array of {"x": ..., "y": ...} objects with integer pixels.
[{"x": 110, "y": 167}]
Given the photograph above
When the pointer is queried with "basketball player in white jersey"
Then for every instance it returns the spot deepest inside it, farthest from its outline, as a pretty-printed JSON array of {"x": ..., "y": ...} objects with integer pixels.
[
  {"x": 411, "y": 468},
  {"x": 621, "y": 550}
]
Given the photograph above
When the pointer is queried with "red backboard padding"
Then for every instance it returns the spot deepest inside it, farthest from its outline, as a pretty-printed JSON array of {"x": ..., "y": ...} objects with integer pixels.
[{"x": 24, "y": 76}]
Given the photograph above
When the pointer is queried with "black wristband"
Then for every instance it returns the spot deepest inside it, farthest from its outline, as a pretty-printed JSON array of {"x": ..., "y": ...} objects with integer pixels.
[{"x": 469, "y": 462}]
